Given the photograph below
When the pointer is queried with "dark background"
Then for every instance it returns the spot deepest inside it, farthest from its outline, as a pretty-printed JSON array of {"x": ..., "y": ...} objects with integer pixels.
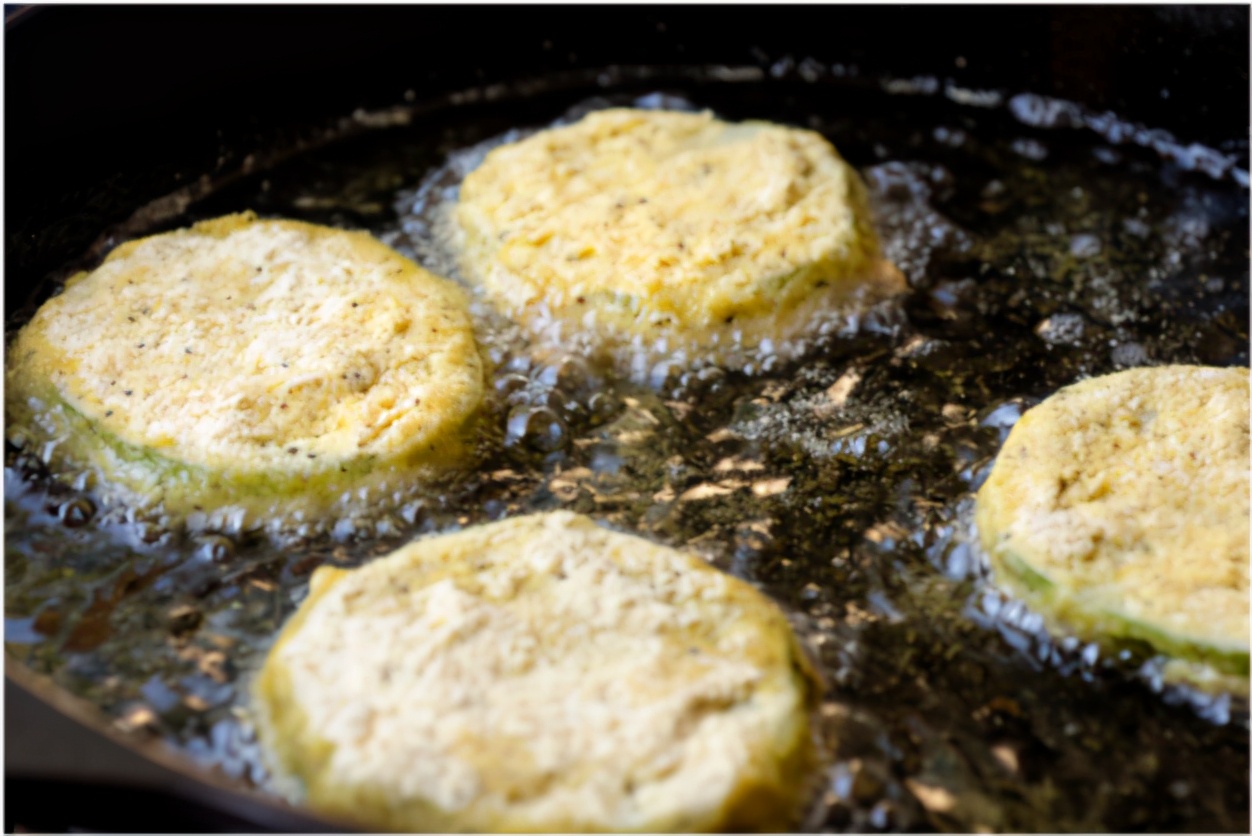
[
  {"x": 109, "y": 107},
  {"x": 84, "y": 77}
]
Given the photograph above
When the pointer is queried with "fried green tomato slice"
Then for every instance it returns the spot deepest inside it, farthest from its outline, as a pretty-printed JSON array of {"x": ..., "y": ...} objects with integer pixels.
[
  {"x": 540, "y": 674},
  {"x": 1119, "y": 508},
  {"x": 256, "y": 364},
  {"x": 672, "y": 233}
]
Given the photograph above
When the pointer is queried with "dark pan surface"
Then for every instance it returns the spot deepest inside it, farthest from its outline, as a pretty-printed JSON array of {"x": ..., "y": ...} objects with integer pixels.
[{"x": 1038, "y": 252}]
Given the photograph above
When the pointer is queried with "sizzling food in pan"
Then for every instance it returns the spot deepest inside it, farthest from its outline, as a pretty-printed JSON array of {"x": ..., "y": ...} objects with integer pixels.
[
  {"x": 541, "y": 674},
  {"x": 250, "y": 365},
  {"x": 1119, "y": 507},
  {"x": 670, "y": 234}
]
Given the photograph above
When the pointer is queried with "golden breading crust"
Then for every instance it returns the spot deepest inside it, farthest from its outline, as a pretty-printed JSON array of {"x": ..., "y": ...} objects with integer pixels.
[
  {"x": 249, "y": 362},
  {"x": 1119, "y": 506},
  {"x": 541, "y": 674},
  {"x": 671, "y": 231}
]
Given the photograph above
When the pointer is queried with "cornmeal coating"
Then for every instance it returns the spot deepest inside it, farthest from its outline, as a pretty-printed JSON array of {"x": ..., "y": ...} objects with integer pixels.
[
  {"x": 672, "y": 232},
  {"x": 541, "y": 674},
  {"x": 1119, "y": 507},
  {"x": 254, "y": 363}
]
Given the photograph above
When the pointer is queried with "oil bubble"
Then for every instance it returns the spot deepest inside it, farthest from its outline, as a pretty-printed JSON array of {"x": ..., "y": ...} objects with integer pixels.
[
  {"x": 1002, "y": 417},
  {"x": 552, "y": 399},
  {"x": 665, "y": 375},
  {"x": 538, "y": 428},
  {"x": 951, "y": 137},
  {"x": 76, "y": 512},
  {"x": 149, "y": 533},
  {"x": 602, "y": 407},
  {"x": 217, "y": 548},
  {"x": 1031, "y": 149},
  {"x": 570, "y": 374},
  {"x": 1084, "y": 246},
  {"x": 1062, "y": 329},
  {"x": 506, "y": 385},
  {"x": 1130, "y": 355},
  {"x": 411, "y": 512}
]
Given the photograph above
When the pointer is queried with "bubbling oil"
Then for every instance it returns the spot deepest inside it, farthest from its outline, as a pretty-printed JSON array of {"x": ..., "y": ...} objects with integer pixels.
[
  {"x": 430, "y": 233},
  {"x": 839, "y": 481}
]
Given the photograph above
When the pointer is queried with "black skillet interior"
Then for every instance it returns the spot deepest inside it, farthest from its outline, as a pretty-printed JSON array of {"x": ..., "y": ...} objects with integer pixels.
[{"x": 109, "y": 109}]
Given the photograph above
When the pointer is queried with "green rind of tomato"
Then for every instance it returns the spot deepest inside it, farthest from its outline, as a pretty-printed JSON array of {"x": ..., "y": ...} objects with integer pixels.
[
  {"x": 145, "y": 478},
  {"x": 1089, "y": 614}
]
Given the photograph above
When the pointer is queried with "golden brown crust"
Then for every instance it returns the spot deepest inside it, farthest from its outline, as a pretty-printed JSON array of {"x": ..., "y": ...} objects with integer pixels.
[
  {"x": 671, "y": 230},
  {"x": 273, "y": 355},
  {"x": 541, "y": 674},
  {"x": 1121, "y": 504}
]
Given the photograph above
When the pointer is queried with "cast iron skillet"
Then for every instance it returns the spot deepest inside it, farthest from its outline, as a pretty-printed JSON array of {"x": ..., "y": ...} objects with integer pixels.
[{"x": 110, "y": 109}]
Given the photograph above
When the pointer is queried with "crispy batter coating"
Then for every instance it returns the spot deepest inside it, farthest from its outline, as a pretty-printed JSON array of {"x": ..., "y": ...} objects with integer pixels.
[
  {"x": 1120, "y": 507},
  {"x": 541, "y": 674},
  {"x": 672, "y": 232},
  {"x": 249, "y": 361}
]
